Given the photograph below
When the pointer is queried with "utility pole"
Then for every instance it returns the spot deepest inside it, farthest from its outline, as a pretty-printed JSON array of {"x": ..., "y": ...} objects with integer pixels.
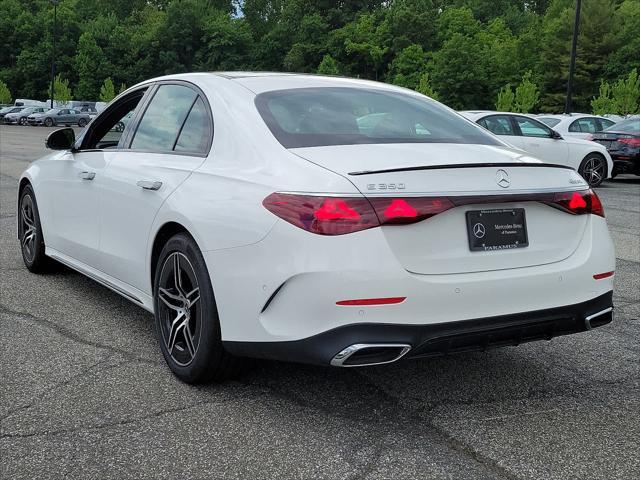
[
  {"x": 53, "y": 50},
  {"x": 572, "y": 64}
]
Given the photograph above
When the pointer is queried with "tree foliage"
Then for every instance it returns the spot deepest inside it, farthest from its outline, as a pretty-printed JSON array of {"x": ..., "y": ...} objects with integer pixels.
[
  {"x": 526, "y": 95},
  {"x": 5, "y": 94},
  {"x": 61, "y": 90},
  {"x": 621, "y": 98},
  {"x": 107, "y": 91},
  {"x": 465, "y": 50}
]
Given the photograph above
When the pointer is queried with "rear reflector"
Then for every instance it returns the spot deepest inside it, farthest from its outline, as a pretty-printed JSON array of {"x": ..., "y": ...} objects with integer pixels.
[
  {"x": 371, "y": 301},
  {"x": 329, "y": 215},
  {"x": 600, "y": 276}
]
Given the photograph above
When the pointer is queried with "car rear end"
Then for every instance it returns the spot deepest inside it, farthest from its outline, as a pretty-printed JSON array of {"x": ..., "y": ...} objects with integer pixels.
[
  {"x": 622, "y": 141},
  {"x": 441, "y": 244}
]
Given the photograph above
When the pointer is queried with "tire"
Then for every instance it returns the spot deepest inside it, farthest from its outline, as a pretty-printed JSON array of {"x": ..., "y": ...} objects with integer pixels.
[
  {"x": 23, "y": 121},
  {"x": 82, "y": 122},
  {"x": 186, "y": 316},
  {"x": 30, "y": 233},
  {"x": 593, "y": 169},
  {"x": 48, "y": 122}
]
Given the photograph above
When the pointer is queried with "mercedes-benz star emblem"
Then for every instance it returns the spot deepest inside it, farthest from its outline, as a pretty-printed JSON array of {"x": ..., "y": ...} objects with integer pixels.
[
  {"x": 478, "y": 230},
  {"x": 502, "y": 179}
]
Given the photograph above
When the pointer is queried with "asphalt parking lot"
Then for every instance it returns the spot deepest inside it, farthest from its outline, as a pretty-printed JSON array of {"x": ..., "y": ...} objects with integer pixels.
[{"x": 85, "y": 392}]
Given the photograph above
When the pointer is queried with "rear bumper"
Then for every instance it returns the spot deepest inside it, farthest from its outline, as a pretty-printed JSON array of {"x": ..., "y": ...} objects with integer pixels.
[
  {"x": 438, "y": 339},
  {"x": 626, "y": 165}
]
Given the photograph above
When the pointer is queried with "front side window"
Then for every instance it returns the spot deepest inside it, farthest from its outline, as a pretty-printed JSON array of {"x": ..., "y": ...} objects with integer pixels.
[
  {"x": 161, "y": 123},
  {"x": 532, "y": 128},
  {"x": 310, "y": 117}
]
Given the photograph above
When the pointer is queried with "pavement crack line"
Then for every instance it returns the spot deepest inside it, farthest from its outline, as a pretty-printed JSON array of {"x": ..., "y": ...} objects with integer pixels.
[
  {"x": 74, "y": 337},
  {"x": 34, "y": 401},
  {"x": 119, "y": 423}
]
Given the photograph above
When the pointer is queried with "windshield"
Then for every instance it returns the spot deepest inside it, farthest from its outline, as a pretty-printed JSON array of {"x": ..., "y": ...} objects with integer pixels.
[
  {"x": 549, "y": 121},
  {"x": 311, "y": 117},
  {"x": 631, "y": 125}
]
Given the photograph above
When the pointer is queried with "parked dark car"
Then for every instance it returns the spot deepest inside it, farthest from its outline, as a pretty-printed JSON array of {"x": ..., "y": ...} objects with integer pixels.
[{"x": 622, "y": 141}]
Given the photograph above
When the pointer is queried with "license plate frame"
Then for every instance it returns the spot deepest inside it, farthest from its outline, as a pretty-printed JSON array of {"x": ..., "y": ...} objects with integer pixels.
[{"x": 497, "y": 229}]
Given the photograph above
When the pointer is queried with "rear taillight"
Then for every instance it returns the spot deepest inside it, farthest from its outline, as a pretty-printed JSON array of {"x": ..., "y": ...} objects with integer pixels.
[
  {"x": 579, "y": 203},
  {"x": 632, "y": 142},
  {"x": 329, "y": 215},
  {"x": 323, "y": 215}
]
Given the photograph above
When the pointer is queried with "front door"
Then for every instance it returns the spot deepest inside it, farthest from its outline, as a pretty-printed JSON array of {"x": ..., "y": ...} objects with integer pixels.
[{"x": 171, "y": 139}]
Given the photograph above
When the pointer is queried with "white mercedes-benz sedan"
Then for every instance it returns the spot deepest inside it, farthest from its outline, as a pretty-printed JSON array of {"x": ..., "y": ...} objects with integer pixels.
[
  {"x": 323, "y": 220},
  {"x": 589, "y": 159}
]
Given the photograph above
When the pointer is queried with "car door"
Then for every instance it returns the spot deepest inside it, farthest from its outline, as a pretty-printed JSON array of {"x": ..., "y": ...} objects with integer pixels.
[
  {"x": 540, "y": 142},
  {"x": 72, "y": 193},
  {"x": 170, "y": 139},
  {"x": 503, "y": 126}
]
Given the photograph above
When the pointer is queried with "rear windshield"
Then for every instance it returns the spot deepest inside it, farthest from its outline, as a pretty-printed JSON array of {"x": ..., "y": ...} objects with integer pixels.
[
  {"x": 312, "y": 117},
  {"x": 549, "y": 121},
  {"x": 631, "y": 125}
]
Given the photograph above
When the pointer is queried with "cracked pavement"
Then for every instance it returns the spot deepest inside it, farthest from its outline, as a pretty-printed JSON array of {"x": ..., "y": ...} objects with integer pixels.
[{"x": 85, "y": 392}]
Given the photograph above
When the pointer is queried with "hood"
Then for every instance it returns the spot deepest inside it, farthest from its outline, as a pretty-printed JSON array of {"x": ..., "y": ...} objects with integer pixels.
[{"x": 345, "y": 159}]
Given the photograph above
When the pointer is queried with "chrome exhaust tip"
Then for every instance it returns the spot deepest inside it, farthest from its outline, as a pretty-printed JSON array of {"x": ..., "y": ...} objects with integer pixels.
[
  {"x": 593, "y": 321},
  {"x": 367, "y": 354}
]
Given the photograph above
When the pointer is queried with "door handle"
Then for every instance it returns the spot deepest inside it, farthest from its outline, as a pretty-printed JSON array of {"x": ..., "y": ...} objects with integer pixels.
[
  {"x": 149, "y": 184},
  {"x": 87, "y": 175}
]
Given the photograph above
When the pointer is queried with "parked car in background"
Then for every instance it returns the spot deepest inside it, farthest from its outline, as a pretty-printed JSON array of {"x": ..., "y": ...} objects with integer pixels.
[
  {"x": 575, "y": 125},
  {"x": 21, "y": 116},
  {"x": 622, "y": 141},
  {"x": 89, "y": 110},
  {"x": 59, "y": 116},
  {"x": 7, "y": 110},
  {"x": 588, "y": 158}
]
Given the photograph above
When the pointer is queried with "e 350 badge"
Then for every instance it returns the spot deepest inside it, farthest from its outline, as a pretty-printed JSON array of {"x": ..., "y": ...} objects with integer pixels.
[{"x": 385, "y": 186}]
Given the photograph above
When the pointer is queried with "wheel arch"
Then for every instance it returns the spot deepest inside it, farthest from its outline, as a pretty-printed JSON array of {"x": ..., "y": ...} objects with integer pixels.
[
  {"x": 24, "y": 181},
  {"x": 162, "y": 236}
]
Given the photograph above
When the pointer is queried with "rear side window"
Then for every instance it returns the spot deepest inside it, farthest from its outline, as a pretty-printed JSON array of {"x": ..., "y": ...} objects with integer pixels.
[
  {"x": 585, "y": 125},
  {"x": 161, "y": 123},
  {"x": 195, "y": 133},
  {"x": 605, "y": 123},
  {"x": 498, "y": 124},
  {"x": 311, "y": 117},
  {"x": 550, "y": 121}
]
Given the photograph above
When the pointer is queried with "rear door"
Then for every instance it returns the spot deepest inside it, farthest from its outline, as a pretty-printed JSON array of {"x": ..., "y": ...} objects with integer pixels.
[
  {"x": 538, "y": 141},
  {"x": 170, "y": 139}
]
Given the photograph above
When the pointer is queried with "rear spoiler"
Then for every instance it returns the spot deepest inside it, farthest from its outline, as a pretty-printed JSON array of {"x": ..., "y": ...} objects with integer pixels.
[{"x": 457, "y": 165}]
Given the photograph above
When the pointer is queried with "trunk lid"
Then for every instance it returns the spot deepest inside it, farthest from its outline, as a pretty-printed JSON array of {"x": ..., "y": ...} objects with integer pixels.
[{"x": 440, "y": 244}]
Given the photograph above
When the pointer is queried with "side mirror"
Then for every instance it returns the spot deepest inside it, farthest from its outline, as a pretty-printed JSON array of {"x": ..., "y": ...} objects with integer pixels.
[
  {"x": 62, "y": 139},
  {"x": 555, "y": 135}
]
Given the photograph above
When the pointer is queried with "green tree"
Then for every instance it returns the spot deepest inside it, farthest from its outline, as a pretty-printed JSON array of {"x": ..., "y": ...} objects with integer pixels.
[
  {"x": 626, "y": 94},
  {"x": 526, "y": 95},
  {"x": 328, "y": 66},
  {"x": 408, "y": 67},
  {"x": 123, "y": 87},
  {"x": 506, "y": 98},
  {"x": 5, "y": 94},
  {"x": 61, "y": 90},
  {"x": 107, "y": 90},
  {"x": 424, "y": 87},
  {"x": 603, "y": 103},
  {"x": 90, "y": 64}
]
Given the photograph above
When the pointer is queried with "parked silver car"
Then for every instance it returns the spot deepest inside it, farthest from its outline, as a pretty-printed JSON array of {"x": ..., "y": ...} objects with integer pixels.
[
  {"x": 20, "y": 117},
  {"x": 10, "y": 109},
  {"x": 59, "y": 116}
]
